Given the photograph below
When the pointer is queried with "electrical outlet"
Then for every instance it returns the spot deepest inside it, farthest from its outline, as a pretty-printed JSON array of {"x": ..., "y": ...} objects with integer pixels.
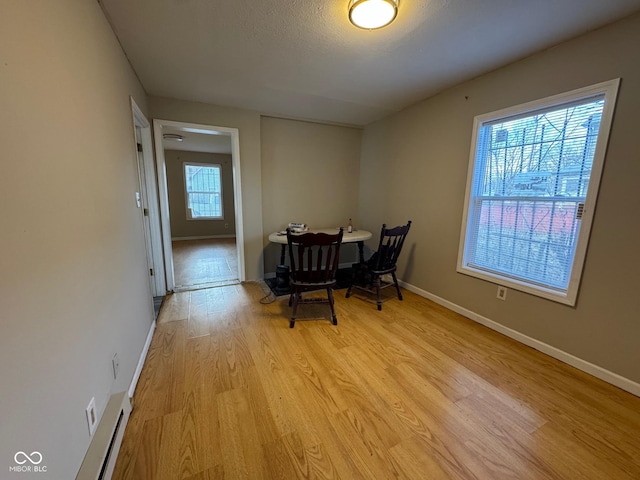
[
  {"x": 92, "y": 417},
  {"x": 115, "y": 362},
  {"x": 502, "y": 293}
]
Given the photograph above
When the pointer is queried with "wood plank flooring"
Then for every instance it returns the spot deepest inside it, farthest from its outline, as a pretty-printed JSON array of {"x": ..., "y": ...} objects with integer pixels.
[
  {"x": 415, "y": 391},
  {"x": 198, "y": 263}
]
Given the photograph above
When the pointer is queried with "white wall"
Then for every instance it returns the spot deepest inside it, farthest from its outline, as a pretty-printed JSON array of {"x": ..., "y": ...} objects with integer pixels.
[
  {"x": 414, "y": 165},
  {"x": 73, "y": 279}
]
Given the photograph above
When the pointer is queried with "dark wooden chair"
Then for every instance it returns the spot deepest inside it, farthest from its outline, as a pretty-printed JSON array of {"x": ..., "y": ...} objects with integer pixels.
[
  {"x": 367, "y": 275},
  {"x": 313, "y": 259}
]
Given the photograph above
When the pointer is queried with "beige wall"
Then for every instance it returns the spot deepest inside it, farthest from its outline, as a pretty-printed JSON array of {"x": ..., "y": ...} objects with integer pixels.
[
  {"x": 180, "y": 226},
  {"x": 309, "y": 174},
  {"x": 248, "y": 124},
  {"x": 74, "y": 287},
  {"x": 414, "y": 165}
]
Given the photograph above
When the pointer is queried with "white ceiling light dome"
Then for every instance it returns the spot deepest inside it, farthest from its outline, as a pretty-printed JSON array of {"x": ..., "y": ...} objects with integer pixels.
[
  {"x": 372, "y": 14},
  {"x": 173, "y": 136}
]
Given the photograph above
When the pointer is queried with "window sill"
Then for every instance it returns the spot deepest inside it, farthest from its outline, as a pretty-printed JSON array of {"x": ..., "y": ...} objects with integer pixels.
[{"x": 566, "y": 298}]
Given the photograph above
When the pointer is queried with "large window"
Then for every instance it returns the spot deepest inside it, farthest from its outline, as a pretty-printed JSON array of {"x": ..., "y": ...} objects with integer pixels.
[
  {"x": 532, "y": 185},
  {"x": 203, "y": 188}
]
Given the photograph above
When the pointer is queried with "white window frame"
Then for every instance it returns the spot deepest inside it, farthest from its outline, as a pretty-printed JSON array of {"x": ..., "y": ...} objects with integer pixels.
[
  {"x": 186, "y": 193},
  {"x": 610, "y": 90}
]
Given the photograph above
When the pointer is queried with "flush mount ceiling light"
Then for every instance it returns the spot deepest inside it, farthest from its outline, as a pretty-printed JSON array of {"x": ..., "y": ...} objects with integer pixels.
[
  {"x": 172, "y": 136},
  {"x": 372, "y": 14}
]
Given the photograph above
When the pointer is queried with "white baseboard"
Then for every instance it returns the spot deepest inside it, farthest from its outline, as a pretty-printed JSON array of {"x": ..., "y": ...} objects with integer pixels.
[
  {"x": 203, "y": 237},
  {"x": 143, "y": 357},
  {"x": 595, "y": 370}
]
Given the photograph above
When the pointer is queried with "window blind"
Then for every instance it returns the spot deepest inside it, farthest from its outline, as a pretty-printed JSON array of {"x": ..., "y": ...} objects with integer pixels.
[{"x": 534, "y": 173}]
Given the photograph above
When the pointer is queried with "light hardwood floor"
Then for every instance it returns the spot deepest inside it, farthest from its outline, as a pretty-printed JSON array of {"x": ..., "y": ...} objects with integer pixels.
[
  {"x": 207, "y": 261},
  {"x": 415, "y": 391}
]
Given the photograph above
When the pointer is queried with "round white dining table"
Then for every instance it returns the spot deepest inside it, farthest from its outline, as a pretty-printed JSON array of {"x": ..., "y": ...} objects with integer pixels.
[{"x": 356, "y": 236}]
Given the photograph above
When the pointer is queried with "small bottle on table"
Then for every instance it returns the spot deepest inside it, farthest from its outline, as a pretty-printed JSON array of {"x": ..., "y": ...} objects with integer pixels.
[{"x": 349, "y": 227}]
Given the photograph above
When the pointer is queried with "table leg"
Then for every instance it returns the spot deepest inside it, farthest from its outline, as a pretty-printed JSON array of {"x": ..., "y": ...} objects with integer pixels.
[
  {"x": 282, "y": 250},
  {"x": 361, "y": 251}
]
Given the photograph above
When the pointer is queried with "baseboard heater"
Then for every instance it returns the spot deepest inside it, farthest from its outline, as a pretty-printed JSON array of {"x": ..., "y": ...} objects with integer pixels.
[{"x": 103, "y": 450}]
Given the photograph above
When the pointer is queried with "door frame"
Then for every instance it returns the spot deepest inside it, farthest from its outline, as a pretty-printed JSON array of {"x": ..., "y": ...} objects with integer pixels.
[
  {"x": 163, "y": 195},
  {"x": 159, "y": 285}
]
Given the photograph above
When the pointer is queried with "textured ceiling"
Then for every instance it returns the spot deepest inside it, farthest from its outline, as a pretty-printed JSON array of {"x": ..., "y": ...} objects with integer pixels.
[{"x": 303, "y": 59}]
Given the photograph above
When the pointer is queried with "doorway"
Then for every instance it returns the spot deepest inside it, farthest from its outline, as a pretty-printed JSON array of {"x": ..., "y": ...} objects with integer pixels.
[{"x": 200, "y": 200}]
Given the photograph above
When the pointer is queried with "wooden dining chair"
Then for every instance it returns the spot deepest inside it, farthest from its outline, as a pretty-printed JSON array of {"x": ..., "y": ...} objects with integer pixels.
[
  {"x": 313, "y": 260},
  {"x": 367, "y": 275}
]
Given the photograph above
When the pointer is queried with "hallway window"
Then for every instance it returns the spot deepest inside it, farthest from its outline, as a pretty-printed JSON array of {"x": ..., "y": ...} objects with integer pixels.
[{"x": 203, "y": 190}]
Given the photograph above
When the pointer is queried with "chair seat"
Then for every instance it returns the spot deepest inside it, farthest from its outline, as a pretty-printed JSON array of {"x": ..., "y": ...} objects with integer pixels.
[
  {"x": 317, "y": 286},
  {"x": 384, "y": 271}
]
